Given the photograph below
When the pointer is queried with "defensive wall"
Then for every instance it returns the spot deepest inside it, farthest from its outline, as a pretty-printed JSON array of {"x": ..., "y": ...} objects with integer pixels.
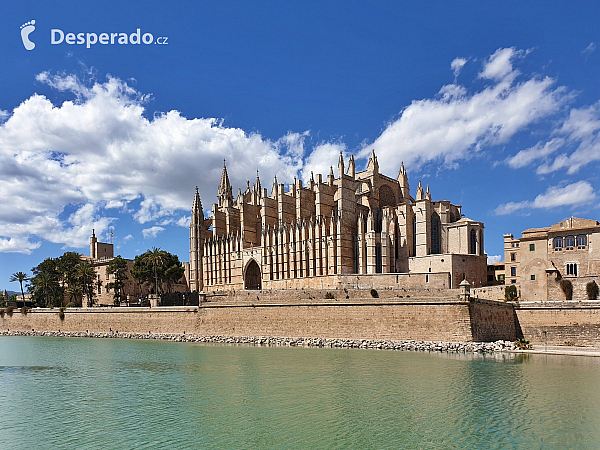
[
  {"x": 435, "y": 318},
  {"x": 560, "y": 322}
]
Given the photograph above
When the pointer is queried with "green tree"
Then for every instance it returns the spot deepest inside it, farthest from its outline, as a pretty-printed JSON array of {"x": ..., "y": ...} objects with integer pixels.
[
  {"x": 44, "y": 286},
  {"x": 117, "y": 267},
  {"x": 87, "y": 277},
  {"x": 510, "y": 293},
  {"x": 67, "y": 266},
  {"x": 157, "y": 267},
  {"x": 20, "y": 277}
]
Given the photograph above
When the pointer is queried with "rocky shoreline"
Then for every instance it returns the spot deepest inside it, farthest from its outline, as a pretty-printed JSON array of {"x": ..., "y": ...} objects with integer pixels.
[{"x": 422, "y": 346}]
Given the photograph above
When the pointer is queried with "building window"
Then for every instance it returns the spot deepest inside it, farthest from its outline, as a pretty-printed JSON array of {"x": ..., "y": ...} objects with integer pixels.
[
  {"x": 513, "y": 271},
  {"x": 436, "y": 231},
  {"x": 490, "y": 278},
  {"x": 473, "y": 242},
  {"x": 557, "y": 243},
  {"x": 518, "y": 244},
  {"x": 572, "y": 269},
  {"x": 581, "y": 241},
  {"x": 501, "y": 277},
  {"x": 569, "y": 242},
  {"x": 513, "y": 281},
  {"x": 532, "y": 277},
  {"x": 513, "y": 256},
  {"x": 531, "y": 247}
]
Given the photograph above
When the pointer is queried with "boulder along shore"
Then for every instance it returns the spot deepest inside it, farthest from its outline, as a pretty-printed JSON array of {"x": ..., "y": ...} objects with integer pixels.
[{"x": 448, "y": 347}]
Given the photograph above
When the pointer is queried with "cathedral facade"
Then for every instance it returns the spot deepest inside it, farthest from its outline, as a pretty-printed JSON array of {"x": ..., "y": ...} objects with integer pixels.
[{"x": 356, "y": 226}]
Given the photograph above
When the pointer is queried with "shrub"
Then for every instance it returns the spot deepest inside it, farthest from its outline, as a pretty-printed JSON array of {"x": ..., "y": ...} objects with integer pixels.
[
  {"x": 510, "y": 293},
  {"x": 567, "y": 288},
  {"x": 61, "y": 313},
  {"x": 329, "y": 296},
  {"x": 71, "y": 305},
  {"x": 24, "y": 310},
  {"x": 9, "y": 310},
  {"x": 523, "y": 344},
  {"x": 2, "y": 312},
  {"x": 374, "y": 293},
  {"x": 592, "y": 290}
]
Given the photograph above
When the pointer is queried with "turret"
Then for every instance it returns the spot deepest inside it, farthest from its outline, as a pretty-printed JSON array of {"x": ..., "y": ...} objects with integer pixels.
[
  {"x": 341, "y": 166},
  {"x": 403, "y": 180},
  {"x": 225, "y": 193},
  {"x": 351, "y": 167},
  {"x": 420, "y": 194}
]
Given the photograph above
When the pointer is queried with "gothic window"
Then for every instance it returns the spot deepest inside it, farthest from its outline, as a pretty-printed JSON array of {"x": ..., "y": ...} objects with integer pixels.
[
  {"x": 557, "y": 244},
  {"x": 569, "y": 242},
  {"x": 572, "y": 269},
  {"x": 473, "y": 242},
  {"x": 378, "y": 264},
  {"x": 414, "y": 236},
  {"x": 436, "y": 228},
  {"x": 397, "y": 241},
  {"x": 581, "y": 241},
  {"x": 386, "y": 196},
  {"x": 378, "y": 221}
]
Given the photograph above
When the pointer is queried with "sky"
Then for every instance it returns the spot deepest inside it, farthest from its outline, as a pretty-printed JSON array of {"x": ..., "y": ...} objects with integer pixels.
[{"x": 495, "y": 105}]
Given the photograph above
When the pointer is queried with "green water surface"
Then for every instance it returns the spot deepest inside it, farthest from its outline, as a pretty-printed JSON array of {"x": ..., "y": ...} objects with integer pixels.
[{"x": 95, "y": 393}]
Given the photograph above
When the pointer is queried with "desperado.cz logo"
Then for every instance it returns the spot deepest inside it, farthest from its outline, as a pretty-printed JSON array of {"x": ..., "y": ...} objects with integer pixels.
[{"x": 58, "y": 36}]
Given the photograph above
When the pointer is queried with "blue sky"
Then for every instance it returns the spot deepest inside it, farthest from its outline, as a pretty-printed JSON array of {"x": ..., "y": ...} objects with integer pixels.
[{"x": 495, "y": 105}]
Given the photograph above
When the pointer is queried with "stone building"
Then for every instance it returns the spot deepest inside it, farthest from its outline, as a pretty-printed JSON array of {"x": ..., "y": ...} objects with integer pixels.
[
  {"x": 101, "y": 254},
  {"x": 543, "y": 256},
  {"x": 332, "y": 231}
]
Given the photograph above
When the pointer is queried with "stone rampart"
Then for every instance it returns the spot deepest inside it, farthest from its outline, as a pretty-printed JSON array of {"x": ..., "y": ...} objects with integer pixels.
[
  {"x": 447, "y": 320},
  {"x": 560, "y": 322}
]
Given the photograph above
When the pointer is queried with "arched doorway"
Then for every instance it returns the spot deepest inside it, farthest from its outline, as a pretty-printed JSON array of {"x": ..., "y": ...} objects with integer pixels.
[{"x": 252, "y": 276}]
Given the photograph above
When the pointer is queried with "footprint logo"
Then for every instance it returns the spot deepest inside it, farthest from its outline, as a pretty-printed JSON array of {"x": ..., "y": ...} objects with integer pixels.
[{"x": 26, "y": 30}]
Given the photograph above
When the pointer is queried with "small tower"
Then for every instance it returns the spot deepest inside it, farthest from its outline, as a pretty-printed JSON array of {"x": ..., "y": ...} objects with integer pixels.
[
  {"x": 341, "y": 166},
  {"x": 403, "y": 180},
  {"x": 351, "y": 167},
  {"x": 420, "y": 194},
  {"x": 225, "y": 193},
  {"x": 93, "y": 245},
  {"x": 197, "y": 237}
]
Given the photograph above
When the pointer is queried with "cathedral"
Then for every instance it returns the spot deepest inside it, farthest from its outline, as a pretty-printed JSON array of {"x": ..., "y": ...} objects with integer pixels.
[{"x": 357, "y": 228}]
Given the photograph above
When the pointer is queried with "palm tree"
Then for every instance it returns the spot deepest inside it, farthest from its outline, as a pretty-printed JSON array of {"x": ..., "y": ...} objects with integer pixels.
[
  {"x": 155, "y": 258},
  {"x": 20, "y": 277},
  {"x": 87, "y": 276}
]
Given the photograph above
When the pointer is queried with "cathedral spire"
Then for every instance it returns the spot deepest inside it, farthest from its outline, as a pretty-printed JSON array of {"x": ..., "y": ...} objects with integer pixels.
[
  {"x": 341, "y": 166},
  {"x": 420, "y": 194},
  {"x": 197, "y": 205},
  {"x": 428, "y": 194},
  {"x": 351, "y": 167},
  {"x": 225, "y": 193},
  {"x": 403, "y": 180}
]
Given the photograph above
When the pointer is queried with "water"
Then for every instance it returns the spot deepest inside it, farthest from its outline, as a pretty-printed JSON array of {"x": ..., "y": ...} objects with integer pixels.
[{"x": 94, "y": 393}]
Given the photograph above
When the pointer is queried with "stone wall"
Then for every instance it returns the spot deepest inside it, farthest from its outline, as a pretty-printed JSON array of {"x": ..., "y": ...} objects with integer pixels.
[
  {"x": 560, "y": 323},
  {"x": 443, "y": 320}
]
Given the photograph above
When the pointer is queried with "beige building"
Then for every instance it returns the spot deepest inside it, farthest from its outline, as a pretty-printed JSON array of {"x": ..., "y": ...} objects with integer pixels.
[
  {"x": 101, "y": 254},
  {"x": 543, "y": 256},
  {"x": 358, "y": 223}
]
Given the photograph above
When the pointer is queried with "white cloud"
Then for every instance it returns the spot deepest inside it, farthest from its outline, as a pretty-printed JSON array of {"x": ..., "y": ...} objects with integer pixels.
[
  {"x": 99, "y": 152},
  {"x": 491, "y": 259},
  {"x": 456, "y": 65},
  {"x": 457, "y": 124},
  {"x": 152, "y": 232},
  {"x": 579, "y": 137},
  {"x": 322, "y": 158},
  {"x": 575, "y": 194},
  {"x": 539, "y": 150},
  {"x": 127, "y": 238},
  {"x": 589, "y": 49}
]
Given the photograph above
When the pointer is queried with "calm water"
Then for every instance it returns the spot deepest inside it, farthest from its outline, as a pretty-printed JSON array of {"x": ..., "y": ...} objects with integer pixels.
[{"x": 93, "y": 393}]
